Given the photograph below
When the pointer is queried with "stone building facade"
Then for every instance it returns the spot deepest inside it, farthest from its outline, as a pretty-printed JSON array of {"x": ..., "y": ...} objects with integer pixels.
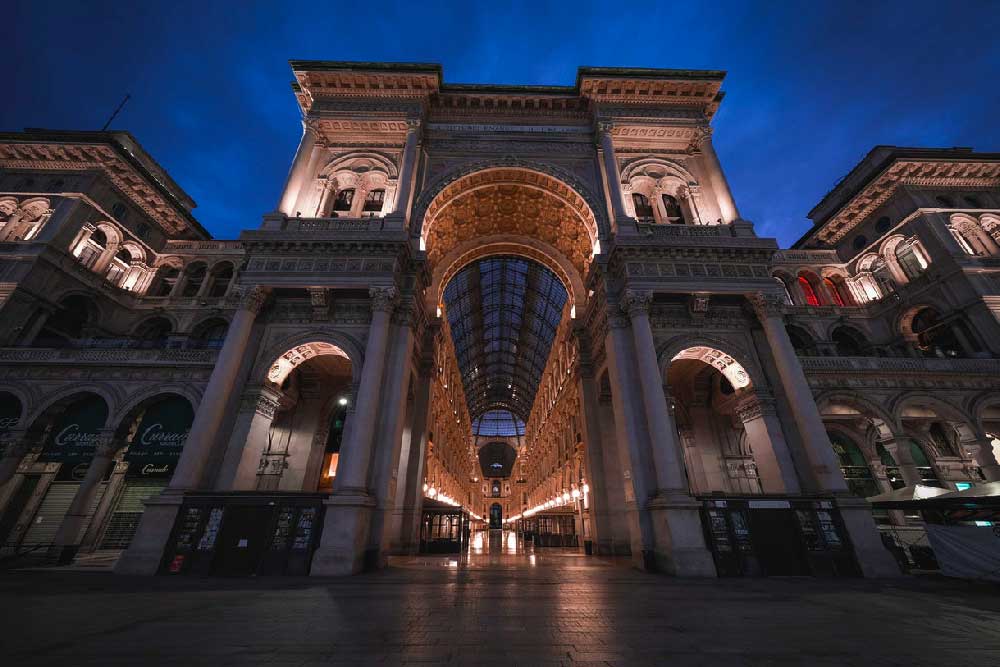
[{"x": 528, "y": 302}]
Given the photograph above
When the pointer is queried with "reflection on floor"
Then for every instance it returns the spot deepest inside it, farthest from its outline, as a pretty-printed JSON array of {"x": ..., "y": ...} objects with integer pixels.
[{"x": 496, "y": 549}]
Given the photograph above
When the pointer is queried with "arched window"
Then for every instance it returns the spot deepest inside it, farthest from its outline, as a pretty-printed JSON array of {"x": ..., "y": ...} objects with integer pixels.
[
  {"x": 222, "y": 274},
  {"x": 91, "y": 250},
  {"x": 911, "y": 259},
  {"x": 210, "y": 335},
  {"x": 934, "y": 337},
  {"x": 374, "y": 200},
  {"x": 643, "y": 210},
  {"x": 848, "y": 342},
  {"x": 802, "y": 342},
  {"x": 859, "y": 242},
  {"x": 119, "y": 265},
  {"x": 808, "y": 292},
  {"x": 883, "y": 224},
  {"x": 119, "y": 211},
  {"x": 963, "y": 242},
  {"x": 834, "y": 292},
  {"x": 66, "y": 326},
  {"x": 153, "y": 333},
  {"x": 165, "y": 280},
  {"x": 672, "y": 208},
  {"x": 857, "y": 474},
  {"x": 194, "y": 277},
  {"x": 344, "y": 200}
]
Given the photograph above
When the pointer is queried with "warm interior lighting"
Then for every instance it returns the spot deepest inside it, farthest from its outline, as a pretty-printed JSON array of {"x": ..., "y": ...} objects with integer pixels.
[
  {"x": 331, "y": 466},
  {"x": 342, "y": 401}
]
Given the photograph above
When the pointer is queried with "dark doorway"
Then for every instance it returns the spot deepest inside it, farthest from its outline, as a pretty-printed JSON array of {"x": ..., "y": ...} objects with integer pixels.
[
  {"x": 496, "y": 516},
  {"x": 242, "y": 540},
  {"x": 776, "y": 542}
]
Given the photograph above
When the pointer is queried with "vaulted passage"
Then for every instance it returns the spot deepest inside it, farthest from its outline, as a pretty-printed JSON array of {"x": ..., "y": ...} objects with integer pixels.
[{"x": 503, "y": 313}]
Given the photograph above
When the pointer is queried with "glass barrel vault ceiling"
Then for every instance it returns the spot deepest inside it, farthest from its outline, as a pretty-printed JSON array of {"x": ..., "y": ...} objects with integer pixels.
[{"x": 503, "y": 313}]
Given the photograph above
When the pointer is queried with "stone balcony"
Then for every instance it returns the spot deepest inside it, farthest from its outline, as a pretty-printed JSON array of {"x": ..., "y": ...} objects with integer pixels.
[
  {"x": 116, "y": 356},
  {"x": 978, "y": 367}
]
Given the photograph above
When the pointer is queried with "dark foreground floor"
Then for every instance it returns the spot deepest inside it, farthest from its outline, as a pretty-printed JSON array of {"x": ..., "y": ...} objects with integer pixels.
[{"x": 545, "y": 610}]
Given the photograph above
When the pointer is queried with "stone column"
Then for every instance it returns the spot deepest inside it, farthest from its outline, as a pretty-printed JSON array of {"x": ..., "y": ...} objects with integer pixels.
[
  {"x": 899, "y": 449},
  {"x": 823, "y": 463},
  {"x": 67, "y": 538},
  {"x": 679, "y": 539},
  {"x": 662, "y": 433},
  {"x": 347, "y": 521},
  {"x": 144, "y": 553},
  {"x": 873, "y": 558},
  {"x": 590, "y": 410},
  {"x": 17, "y": 446},
  {"x": 355, "y": 457},
  {"x": 297, "y": 176},
  {"x": 407, "y": 171},
  {"x": 248, "y": 442},
  {"x": 412, "y": 464},
  {"x": 985, "y": 457},
  {"x": 770, "y": 451},
  {"x": 635, "y": 464},
  {"x": 717, "y": 177},
  {"x": 611, "y": 171}
]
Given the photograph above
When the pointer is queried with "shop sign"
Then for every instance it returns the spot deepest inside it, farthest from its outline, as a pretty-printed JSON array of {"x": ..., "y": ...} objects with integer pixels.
[
  {"x": 10, "y": 416},
  {"x": 73, "y": 438},
  {"x": 159, "y": 439}
]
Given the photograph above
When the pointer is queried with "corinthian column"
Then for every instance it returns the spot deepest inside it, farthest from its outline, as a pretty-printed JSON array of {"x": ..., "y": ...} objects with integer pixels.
[
  {"x": 822, "y": 459},
  {"x": 662, "y": 434},
  {"x": 611, "y": 170},
  {"x": 355, "y": 457},
  {"x": 205, "y": 428},
  {"x": 407, "y": 170}
]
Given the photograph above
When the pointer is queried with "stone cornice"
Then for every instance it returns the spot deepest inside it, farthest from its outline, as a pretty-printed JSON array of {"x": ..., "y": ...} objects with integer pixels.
[
  {"x": 144, "y": 191},
  {"x": 900, "y": 173}
]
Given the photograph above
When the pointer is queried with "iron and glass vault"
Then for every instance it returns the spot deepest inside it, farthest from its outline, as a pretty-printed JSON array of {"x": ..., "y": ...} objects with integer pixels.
[{"x": 503, "y": 313}]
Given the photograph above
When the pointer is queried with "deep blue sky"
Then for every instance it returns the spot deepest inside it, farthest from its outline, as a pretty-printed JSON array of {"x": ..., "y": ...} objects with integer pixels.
[{"x": 810, "y": 88}]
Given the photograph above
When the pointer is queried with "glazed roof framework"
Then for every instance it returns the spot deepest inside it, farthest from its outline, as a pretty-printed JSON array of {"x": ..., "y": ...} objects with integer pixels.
[
  {"x": 882, "y": 172},
  {"x": 615, "y": 85},
  {"x": 118, "y": 156},
  {"x": 503, "y": 313}
]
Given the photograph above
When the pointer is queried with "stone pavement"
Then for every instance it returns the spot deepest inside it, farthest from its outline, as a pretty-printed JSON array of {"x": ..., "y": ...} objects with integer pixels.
[{"x": 551, "y": 608}]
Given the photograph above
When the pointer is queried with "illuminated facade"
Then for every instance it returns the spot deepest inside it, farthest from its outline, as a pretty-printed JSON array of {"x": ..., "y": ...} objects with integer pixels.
[{"x": 536, "y": 307}]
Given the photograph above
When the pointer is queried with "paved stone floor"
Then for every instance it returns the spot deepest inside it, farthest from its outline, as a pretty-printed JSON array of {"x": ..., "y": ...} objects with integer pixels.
[{"x": 549, "y": 608}]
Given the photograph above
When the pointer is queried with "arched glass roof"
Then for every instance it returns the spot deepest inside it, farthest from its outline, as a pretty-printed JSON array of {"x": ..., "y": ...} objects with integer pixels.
[{"x": 503, "y": 313}]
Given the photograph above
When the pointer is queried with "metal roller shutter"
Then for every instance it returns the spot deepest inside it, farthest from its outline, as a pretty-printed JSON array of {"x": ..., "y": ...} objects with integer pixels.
[
  {"x": 53, "y": 509},
  {"x": 125, "y": 519}
]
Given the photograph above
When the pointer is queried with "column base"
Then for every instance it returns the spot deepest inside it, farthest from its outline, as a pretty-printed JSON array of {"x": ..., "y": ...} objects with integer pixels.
[
  {"x": 145, "y": 553},
  {"x": 679, "y": 538},
  {"x": 873, "y": 558},
  {"x": 346, "y": 528}
]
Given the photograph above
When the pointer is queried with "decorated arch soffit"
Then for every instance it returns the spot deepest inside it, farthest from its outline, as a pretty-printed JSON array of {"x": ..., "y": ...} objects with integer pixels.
[
  {"x": 719, "y": 360},
  {"x": 515, "y": 199},
  {"x": 297, "y": 356}
]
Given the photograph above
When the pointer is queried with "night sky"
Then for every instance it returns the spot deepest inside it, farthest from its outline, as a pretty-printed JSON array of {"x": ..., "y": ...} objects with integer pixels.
[{"x": 809, "y": 91}]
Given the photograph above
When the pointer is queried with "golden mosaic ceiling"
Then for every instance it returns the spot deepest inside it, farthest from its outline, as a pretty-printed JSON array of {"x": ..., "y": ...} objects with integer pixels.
[{"x": 510, "y": 209}]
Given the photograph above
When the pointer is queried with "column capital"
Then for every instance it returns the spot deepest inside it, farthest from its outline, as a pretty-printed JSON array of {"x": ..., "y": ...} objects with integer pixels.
[
  {"x": 754, "y": 407},
  {"x": 636, "y": 302},
  {"x": 383, "y": 299},
  {"x": 766, "y": 305},
  {"x": 250, "y": 298},
  {"x": 605, "y": 126}
]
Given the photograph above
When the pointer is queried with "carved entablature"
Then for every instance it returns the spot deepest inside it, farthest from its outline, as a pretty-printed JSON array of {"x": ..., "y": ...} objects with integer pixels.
[
  {"x": 699, "y": 89},
  {"x": 693, "y": 264},
  {"x": 105, "y": 159},
  {"x": 316, "y": 80},
  {"x": 923, "y": 173}
]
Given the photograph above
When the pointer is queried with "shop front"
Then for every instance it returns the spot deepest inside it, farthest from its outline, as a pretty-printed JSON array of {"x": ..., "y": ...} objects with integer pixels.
[
  {"x": 777, "y": 537},
  {"x": 444, "y": 529}
]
